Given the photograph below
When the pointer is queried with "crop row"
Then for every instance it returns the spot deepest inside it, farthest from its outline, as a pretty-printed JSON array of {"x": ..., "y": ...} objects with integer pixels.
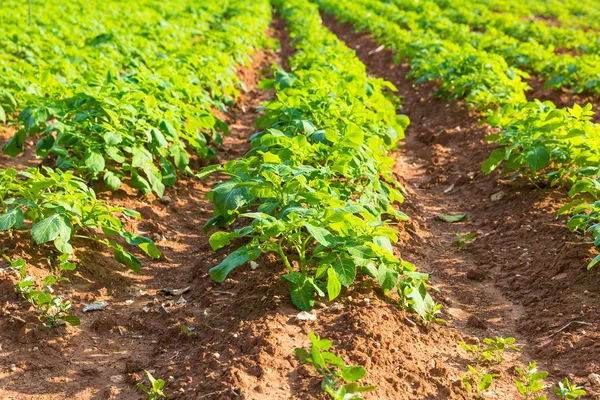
[
  {"x": 571, "y": 13},
  {"x": 547, "y": 145},
  {"x": 574, "y": 72},
  {"x": 110, "y": 97},
  {"x": 126, "y": 97},
  {"x": 317, "y": 185}
]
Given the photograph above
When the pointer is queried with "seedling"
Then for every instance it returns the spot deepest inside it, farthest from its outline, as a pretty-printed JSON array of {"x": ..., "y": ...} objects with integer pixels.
[
  {"x": 530, "y": 382},
  {"x": 461, "y": 240},
  {"x": 155, "y": 390},
  {"x": 339, "y": 379},
  {"x": 53, "y": 310},
  {"x": 567, "y": 391},
  {"x": 492, "y": 352},
  {"x": 478, "y": 381},
  {"x": 187, "y": 330}
]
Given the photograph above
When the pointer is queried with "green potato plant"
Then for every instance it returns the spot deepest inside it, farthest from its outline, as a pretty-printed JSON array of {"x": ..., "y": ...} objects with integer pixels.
[{"x": 339, "y": 379}]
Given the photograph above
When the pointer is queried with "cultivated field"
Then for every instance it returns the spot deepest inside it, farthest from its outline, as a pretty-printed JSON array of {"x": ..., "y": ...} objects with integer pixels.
[{"x": 292, "y": 199}]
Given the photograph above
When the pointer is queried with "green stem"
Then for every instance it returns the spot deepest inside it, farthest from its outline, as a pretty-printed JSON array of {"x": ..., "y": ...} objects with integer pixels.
[{"x": 284, "y": 257}]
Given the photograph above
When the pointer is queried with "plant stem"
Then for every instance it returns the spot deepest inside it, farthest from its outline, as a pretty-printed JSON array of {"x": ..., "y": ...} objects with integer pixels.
[{"x": 284, "y": 257}]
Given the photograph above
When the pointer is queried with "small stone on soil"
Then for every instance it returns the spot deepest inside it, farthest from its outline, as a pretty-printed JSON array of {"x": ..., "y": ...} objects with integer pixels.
[
  {"x": 165, "y": 200},
  {"x": 594, "y": 379},
  {"x": 12, "y": 368},
  {"x": 497, "y": 196},
  {"x": 305, "y": 316},
  {"x": 116, "y": 378}
]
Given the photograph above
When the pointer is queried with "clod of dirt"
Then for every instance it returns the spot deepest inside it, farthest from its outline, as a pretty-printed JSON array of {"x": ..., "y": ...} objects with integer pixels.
[
  {"x": 477, "y": 323},
  {"x": 476, "y": 275}
]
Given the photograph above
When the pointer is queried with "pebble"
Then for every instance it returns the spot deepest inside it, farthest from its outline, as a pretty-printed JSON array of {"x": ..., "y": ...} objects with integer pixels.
[
  {"x": 165, "y": 200},
  {"x": 320, "y": 304},
  {"x": 253, "y": 265},
  {"x": 367, "y": 300},
  {"x": 12, "y": 368},
  {"x": 594, "y": 379},
  {"x": 497, "y": 196},
  {"x": 336, "y": 307},
  {"x": 171, "y": 379},
  {"x": 116, "y": 378},
  {"x": 305, "y": 316}
]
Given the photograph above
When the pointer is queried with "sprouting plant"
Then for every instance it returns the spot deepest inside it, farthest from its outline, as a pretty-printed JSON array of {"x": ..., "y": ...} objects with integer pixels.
[
  {"x": 155, "y": 389},
  {"x": 530, "y": 382},
  {"x": 478, "y": 381},
  {"x": 339, "y": 379},
  {"x": 567, "y": 391},
  {"x": 461, "y": 240},
  {"x": 187, "y": 330},
  {"x": 53, "y": 309},
  {"x": 492, "y": 352}
]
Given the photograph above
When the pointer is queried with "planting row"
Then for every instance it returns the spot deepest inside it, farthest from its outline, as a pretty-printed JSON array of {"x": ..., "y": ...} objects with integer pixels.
[
  {"x": 107, "y": 98},
  {"x": 126, "y": 97},
  {"x": 548, "y": 145},
  {"x": 317, "y": 188}
]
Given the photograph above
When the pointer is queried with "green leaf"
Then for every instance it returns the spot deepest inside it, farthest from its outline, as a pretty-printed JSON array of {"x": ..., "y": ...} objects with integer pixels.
[
  {"x": 72, "y": 319},
  {"x": 111, "y": 180},
  {"x": 345, "y": 270},
  {"x": 128, "y": 259},
  {"x": 387, "y": 277},
  {"x": 302, "y": 290},
  {"x": 2, "y": 115},
  {"x": 206, "y": 171},
  {"x": 493, "y": 161},
  {"x": 235, "y": 259},
  {"x": 334, "y": 287},
  {"x": 51, "y": 228},
  {"x": 94, "y": 161},
  {"x": 13, "y": 218},
  {"x": 351, "y": 374},
  {"x": 538, "y": 158},
  {"x": 452, "y": 218},
  {"x": 320, "y": 234}
]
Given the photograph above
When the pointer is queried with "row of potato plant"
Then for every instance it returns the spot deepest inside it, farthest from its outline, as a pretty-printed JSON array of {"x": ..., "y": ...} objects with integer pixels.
[
  {"x": 317, "y": 187},
  {"x": 537, "y": 139},
  {"x": 116, "y": 98},
  {"x": 577, "y": 73}
]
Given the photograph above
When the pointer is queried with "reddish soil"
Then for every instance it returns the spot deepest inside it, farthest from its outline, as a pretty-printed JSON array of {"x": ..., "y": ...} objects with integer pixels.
[{"x": 524, "y": 276}]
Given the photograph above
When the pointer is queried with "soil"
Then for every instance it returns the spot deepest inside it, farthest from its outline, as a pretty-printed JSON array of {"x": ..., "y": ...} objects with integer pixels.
[{"x": 524, "y": 277}]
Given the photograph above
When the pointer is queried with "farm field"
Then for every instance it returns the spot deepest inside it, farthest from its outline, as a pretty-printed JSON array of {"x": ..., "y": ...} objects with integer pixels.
[{"x": 291, "y": 199}]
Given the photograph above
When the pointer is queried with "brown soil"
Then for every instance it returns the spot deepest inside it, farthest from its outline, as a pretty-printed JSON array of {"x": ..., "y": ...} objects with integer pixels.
[{"x": 524, "y": 277}]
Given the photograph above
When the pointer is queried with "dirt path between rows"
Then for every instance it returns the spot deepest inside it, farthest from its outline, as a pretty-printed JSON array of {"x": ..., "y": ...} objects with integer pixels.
[{"x": 525, "y": 274}]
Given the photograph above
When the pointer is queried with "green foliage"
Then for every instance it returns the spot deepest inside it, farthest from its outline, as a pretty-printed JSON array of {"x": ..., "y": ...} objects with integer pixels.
[
  {"x": 491, "y": 352},
  {"x": 477, "y": 382},
  {"x": 187, "y": 330},
  {"x": 55, "y": 206},
  {"x": 118, "y": 98},
  {"x": 567, "y": 391},
  {"x": 318, "y": 180},
  {"x": 530, "y": 382},
  {"x": 155, "y": 390},
  {"x": 339, "y": 379},
  {"x": 461, "y": 240},
  {"x": 52, "y": 309}
]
